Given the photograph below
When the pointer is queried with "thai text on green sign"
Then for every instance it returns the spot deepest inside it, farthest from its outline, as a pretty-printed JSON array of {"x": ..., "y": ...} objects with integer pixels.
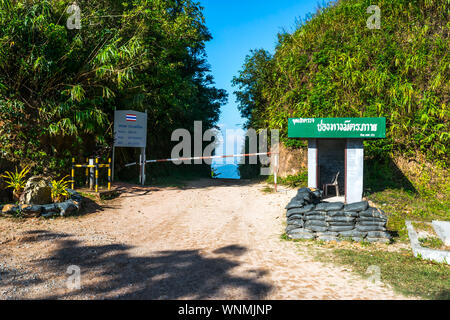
[{"x": 366, "y": 128}]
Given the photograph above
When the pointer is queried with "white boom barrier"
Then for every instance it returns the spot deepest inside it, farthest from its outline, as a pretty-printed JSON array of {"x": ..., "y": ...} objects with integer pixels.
[{"x": 275, "y": 169}]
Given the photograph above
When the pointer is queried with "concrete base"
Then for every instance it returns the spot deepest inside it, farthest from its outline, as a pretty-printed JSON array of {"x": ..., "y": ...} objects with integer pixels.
[
  {"x": 425, "y": 253},
  {"x": 442, "y": 229}
]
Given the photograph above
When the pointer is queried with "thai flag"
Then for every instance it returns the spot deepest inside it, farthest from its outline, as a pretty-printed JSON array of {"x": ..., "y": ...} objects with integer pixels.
[{"x": 131, "y": 117}]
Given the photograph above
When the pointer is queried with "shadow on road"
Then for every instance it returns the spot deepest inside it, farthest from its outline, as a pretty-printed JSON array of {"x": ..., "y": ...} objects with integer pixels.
[{"x": 162, "y": 275}]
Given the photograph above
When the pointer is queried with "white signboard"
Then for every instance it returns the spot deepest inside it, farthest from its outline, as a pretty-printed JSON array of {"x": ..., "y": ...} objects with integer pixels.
[
  {"x": 355, "y": 170},
  {"x": 130, "y": 129}
]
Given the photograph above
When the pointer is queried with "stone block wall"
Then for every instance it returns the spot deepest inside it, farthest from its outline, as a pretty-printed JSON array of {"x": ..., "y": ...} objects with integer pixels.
[{"x": 310, "y": 218}]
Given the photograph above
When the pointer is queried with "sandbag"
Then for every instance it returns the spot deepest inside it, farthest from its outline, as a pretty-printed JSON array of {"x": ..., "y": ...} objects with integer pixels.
[
  {"x": 341, "y": 224},
  {"x": 370, "y": 219},
  {"x": 372, "y": 223},
  {"x": 295, "y": 216},
  {"x": 342, "y": 214},
  {"x": 369, "y": 228},
  {"x": 332, "y": 206},
  {"x": 303, "y": 197},
  {"x": 327, "y": 233},
  {"x": 357, "y": 239},
  {"x": 316, "y": 223},
  {"x": 315, "y": 217},
  {"x": 296, "y": 222},
  {"x": 295, "y": 204},
  {"x": 303, "y": 209},
  {"x": 316, "y": 228},
  {"x": 340, "y": 228},
  {"x": 357, "y": 206},
  {"x": 291, "y": 227},
  {"x": 340, "y": 219},
  {"x": 301, "y": 234},
  {"x": 352, "y": 233},
  {"x": 381, "y": 240},
  {"x": 313, "y": 213},
  {"x": 327, "y": 238},
  {"x": 373, "y": 212},
  {"x": 293, "y": 211},
  {"x": 378, "y": 234}
]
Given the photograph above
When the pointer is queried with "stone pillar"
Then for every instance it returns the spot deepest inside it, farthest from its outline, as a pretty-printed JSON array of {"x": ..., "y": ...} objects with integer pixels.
[
  {"x": 312, "y": 163},
  {"x": 354, "y": 170}
]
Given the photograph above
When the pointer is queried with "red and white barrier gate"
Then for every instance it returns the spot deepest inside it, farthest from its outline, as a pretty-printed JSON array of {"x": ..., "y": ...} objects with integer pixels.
[{"x": 142, "y": 171}]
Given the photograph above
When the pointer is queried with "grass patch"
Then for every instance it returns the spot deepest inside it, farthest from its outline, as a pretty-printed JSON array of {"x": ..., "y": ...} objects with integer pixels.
[
  {"x": 294, "y": 181},
  {"x": 405, "y": 273},
  {"x": 431, "y": 242},
  {"x": 423, "y": 226},
  {"x": 267, "y": 189}
]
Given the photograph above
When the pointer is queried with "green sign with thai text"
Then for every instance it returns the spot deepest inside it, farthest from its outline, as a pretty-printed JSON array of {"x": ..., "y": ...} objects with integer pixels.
[{"x": 363, "y": 128}]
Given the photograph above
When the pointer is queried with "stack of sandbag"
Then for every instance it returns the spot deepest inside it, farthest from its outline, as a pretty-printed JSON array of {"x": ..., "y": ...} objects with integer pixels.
[{"x": 309, "y": 218}]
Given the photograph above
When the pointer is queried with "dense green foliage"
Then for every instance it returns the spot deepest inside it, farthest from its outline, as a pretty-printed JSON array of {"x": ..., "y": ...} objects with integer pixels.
[
  {"x": 333, "y": 65},
  {"x": 59, "y": 86}
]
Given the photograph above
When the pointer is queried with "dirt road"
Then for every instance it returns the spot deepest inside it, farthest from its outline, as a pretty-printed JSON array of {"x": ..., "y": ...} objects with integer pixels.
[{"x": 209, "y": 240}]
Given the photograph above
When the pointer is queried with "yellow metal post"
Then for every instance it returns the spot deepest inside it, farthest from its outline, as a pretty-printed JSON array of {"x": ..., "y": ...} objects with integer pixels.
[
  {"x": 87, "y": 172},
  {"x": 109, "y": 174},
  {"x": 96, "y": 174},
  {"x": 73, "y": 174}
]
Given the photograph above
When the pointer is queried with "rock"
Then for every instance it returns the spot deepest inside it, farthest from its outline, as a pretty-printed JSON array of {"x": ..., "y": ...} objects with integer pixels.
[
  {"x": 332, "y": 206},
  {"x": 30, "y": 210},
  {"x": 378, "y": 234},
  {"x": 10, "y": 209},
  {"x": 49, "y": 208},
  {"x": 37, "y": 191},
  {"x": 357, "y": 206},
  {"x": 341, "y": 228},
  {"x": 66, "y": 208}
]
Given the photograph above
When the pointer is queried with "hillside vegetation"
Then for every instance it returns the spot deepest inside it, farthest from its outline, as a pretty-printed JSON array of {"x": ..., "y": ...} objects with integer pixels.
[
  {"x": 333, "y": 65},
  {"x": 59, "y": 86}
]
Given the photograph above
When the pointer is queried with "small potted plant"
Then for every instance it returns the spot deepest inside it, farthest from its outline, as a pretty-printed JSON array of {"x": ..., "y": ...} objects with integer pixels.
[
  {"x": 16, "y": 181},
  {"x": 59, "y": 190}
]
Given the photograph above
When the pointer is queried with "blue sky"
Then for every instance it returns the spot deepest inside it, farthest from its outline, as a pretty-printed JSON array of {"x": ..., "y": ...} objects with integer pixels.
[{"x": 237, "y": 27}]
